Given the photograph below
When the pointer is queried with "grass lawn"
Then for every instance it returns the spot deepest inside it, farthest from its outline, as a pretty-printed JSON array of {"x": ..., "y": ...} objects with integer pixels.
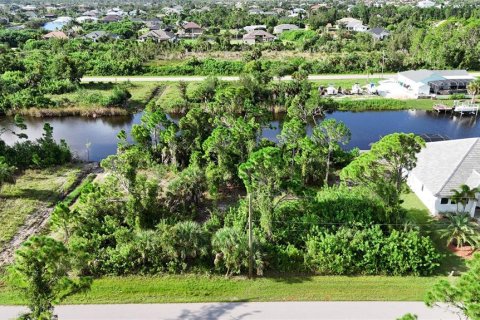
[
  {"x": 34, "y": 190},
  {"x": 418, "y": 213},
  {"x": 190, "y": 288}
]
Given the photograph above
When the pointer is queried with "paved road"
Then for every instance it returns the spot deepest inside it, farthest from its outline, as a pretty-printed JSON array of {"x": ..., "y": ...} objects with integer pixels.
[
  {"x": 224, "y": 78},
  {"x": 249, "y": 310},
  {"x": 234, "y": 78}
]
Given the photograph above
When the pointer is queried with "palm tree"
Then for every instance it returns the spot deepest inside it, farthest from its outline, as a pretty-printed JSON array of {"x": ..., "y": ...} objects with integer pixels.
[
  {"x": 461, "y": 230},
  {"x": 473, "y": 88},
  {"x": 463, "y": 196}
]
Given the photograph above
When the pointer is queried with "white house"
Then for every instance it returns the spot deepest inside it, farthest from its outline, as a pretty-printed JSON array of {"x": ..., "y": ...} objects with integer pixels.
[
  {"x": 284, "y": 27},
  {"x": 425, "y": 4},
  {"x": 255, "y": 27},
  {"x": 444, "y": 166},
  {"x": 421, "y": 83},
  {"x": 352, "y": 24}
]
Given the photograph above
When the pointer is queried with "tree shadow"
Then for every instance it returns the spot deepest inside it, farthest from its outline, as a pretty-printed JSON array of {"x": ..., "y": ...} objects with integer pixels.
[
  {"x": 291, "y": 278},
  {"x": 214, "y": 311},
  {"x": 33, "y": 194},
  {"x": 97, "y": 86}
]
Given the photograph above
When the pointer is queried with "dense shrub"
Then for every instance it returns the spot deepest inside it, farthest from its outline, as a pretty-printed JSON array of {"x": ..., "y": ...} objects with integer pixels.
[{"x": 371, "y": 252}]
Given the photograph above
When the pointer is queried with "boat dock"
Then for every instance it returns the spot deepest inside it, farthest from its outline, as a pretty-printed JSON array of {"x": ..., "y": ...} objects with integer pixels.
[
  {"x": 442, "y": 108},
  {"x": 466, "y": 107}
]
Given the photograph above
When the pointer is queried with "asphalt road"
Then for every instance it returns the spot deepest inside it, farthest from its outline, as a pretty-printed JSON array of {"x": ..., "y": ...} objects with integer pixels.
[
  {"x": 248, "y": 310},
  {"x": 225, "y": 78},
  {"x": 235, "y": 78}
]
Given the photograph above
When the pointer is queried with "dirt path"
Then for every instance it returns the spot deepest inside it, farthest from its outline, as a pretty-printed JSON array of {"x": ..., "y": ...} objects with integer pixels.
[{"x": 37, "y": 221}]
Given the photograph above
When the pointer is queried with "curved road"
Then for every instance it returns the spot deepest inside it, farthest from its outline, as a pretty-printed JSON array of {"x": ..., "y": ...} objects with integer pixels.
[{"x": 246, "y": 310}]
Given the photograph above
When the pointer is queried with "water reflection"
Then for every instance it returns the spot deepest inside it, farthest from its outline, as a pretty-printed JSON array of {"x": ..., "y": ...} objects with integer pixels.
[{"x": 366, "y": 127}]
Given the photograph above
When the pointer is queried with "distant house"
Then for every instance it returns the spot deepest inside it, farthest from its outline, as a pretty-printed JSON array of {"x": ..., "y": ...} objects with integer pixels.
[
  {"x": 318, "y": 6},
  {"x": 255, "y": 11},
  {"x": 425, "y": 4},
  {"x": 352, "y": 24},
  {"x": 84, "y": 19},
  {"x": 255, "y": 27},
  {"x": 190, "y": 30},
  {"x": 444, "y": 166},
  {"x": 379, "y": 33},
  {"x": 99, "y": 35},
  {"x": 296, "y": 12},
  {"x": 154, "y": 24},
  {"x": 31, "y": 15},
  {"x": 55, "y": 35},
  {"x": 257, "y": 36},
  {"x": 426, "y": 82},
  {"x": 158, "y": 36},
  {"x": 50, "y": 16},
  {"x": 111, "y": 18},
  {"x": 284, "y": 27},
  {"x": 90, "y": 13}
]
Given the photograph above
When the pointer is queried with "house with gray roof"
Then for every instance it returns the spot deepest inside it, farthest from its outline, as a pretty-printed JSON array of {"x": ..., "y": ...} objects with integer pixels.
[
  {"x": 100, "y": 35},
  {"x": 444, "y": 166},
  {"x": 158, "y": 36},
  {"x": 284, "y": 27},
  {"x": 258, "y": 36},
  {"x": 378, "y": 33}
]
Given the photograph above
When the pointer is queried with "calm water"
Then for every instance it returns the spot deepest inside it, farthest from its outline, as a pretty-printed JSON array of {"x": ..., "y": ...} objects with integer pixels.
[
  {"x": 53, "y": 25},
  {"x": 366, "y": 127}
]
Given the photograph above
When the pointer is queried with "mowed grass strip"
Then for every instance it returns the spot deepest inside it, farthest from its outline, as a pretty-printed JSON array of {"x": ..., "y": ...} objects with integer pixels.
[
  {"x": 191, "y": 288},
  {"x": 34, "y": 190}
]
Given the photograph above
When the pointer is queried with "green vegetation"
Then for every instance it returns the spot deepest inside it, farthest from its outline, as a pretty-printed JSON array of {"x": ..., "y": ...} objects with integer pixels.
[
  {"x": 34, "y": 190},
  {"x": 462, "y": 295},
  {"x": 42, "y": 273},
  {"x": 197, "y": 288}
]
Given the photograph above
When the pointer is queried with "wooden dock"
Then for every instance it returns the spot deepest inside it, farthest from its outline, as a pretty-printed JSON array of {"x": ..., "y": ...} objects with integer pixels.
[{"x": 442, "y": 108}]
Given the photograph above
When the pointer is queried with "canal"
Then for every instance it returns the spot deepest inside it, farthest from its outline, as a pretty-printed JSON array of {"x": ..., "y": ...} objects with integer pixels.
[{"x": 366, "y": 127}]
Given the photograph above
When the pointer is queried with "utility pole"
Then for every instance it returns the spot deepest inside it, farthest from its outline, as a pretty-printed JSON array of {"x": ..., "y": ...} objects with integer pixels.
[
  {"x": 250, "y": 238},
  {"x": 383, "y": 62}
]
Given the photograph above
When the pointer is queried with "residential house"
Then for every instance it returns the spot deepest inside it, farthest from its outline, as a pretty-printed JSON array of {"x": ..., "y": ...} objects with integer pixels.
[
  {"x": 444, "y": 166},
  {"x": 352, "y": 24},
  {"x": 379, "y": 33},
  {"x": 255, "y": 27},
  {"x": 154, "y": 24},
  {"x": 421, "y": 83},
  {"x": 55, "y": 35},
  {"x": 84, "y": 19},
  {"x": 318, "y": 6},
  {"x": 284, "y": 27},
  {"x": 111, "y": 18},
  {"x": 96, "y": 36},
  {"x": 158, "y": 36},
  {"x": 425, "y": 4},
  {"x": 190, "y": 30},
  {"x": 257, "y": 36},
  {"x": 297, "y": 12}
]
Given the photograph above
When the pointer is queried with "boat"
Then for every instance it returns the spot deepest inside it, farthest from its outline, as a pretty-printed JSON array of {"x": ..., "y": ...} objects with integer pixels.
[{"x": 356, "y": 89}]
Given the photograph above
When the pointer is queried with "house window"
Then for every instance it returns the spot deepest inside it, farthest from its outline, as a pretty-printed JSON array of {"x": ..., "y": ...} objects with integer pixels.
[{"x": 444, "y": 201}]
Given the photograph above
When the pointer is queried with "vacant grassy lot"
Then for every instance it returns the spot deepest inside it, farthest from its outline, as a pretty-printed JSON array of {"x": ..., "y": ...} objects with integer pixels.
[
  {"x": 190, "y": 288},
  {"x": 140, "y": 91},
  {"x": 33, "y": 191}
]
